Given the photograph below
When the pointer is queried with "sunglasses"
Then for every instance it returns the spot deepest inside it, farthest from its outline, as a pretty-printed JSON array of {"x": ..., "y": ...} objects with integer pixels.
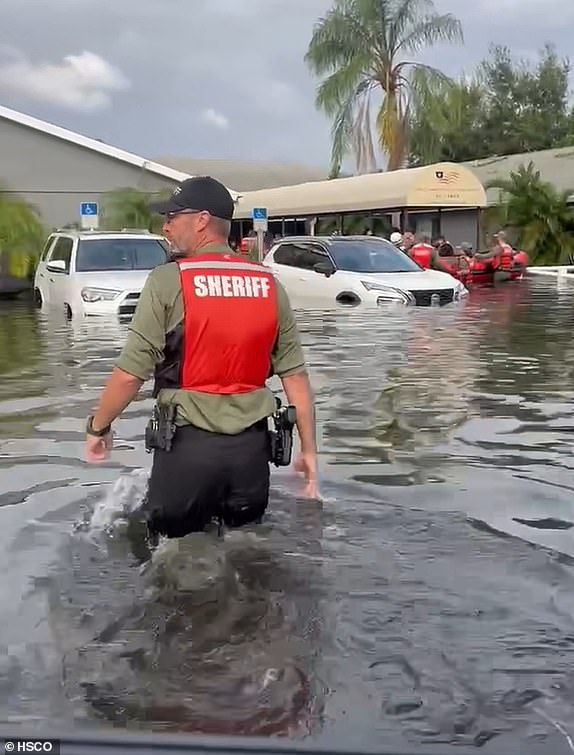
[{"x": 171, "y": 215}]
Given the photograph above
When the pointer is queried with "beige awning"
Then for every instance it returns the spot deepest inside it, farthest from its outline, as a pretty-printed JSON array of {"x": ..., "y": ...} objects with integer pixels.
[{"x": 432, "y": 186}]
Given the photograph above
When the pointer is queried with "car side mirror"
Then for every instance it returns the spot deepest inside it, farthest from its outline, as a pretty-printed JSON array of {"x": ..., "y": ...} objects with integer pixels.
[
  {"x": 57, "y": 266},
  {"x": 324, "y": 268}
]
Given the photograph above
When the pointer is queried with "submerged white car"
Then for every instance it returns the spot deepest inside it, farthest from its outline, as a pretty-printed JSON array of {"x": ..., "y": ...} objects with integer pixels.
[
  {"x": 97, "y": 273},
  {"x": 352, "y": 270}
]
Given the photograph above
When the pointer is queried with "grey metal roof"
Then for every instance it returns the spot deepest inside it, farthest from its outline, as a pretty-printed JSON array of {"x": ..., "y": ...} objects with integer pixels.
[
  {"x": 247, "y": 176},
  {"x": 95, "y": 145},
  {"x": 555, "y": 165}
]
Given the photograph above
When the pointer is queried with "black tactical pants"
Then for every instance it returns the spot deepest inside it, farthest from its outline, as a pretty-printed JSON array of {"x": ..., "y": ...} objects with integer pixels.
[{"x": 208, "y": 477}]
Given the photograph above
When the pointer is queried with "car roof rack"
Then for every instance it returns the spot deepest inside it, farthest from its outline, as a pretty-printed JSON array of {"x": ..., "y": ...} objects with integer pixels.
[{"x": 100, "y": 230}]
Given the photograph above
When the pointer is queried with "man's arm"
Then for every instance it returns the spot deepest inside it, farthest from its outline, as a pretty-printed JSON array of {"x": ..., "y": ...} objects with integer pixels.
[
  {"x": 136, "y": 363},
  {"x": 288, "y": 363},
  {"x": 120, "y": 390},
  {"x": 299, "y": 393}
]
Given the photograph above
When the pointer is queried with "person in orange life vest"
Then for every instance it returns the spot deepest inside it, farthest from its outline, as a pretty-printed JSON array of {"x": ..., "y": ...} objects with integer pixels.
[
  {"x": 212, "y": 327},
  {"x": 488, "y": 261},
  {"x": 506, "y": 253},
  {"x": 422, "y": 252}
]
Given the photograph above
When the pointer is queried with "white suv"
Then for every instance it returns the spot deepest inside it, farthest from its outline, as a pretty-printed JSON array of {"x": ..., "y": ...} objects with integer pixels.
[
  {"x": 353, "y": 270},
  {"x": 95, "y": 272}
]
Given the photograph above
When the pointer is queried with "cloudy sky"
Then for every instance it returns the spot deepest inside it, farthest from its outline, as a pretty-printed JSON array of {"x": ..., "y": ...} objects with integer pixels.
[{"x": 212, "y": 78}]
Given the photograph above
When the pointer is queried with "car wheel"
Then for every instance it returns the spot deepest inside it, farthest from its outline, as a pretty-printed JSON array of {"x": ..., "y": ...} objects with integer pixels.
[
  {"x": 38, "y": 301},
  {"x": 348, "y": 298}
]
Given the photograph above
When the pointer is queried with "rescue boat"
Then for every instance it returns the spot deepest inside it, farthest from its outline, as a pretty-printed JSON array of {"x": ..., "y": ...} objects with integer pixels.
[
  {"x": 475, "y": 272},
  {"x": 488, "y": 272}
]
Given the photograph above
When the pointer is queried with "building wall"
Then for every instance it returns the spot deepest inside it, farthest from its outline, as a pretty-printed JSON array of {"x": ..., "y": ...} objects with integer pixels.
[
  {"x": 460, "y": 226},
  {"x": 457, "y": 226},
  {"x": 57, "y": 176}
]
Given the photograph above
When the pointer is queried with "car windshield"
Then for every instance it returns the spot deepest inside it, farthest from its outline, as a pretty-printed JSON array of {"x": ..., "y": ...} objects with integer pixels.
[
  {"x": 371, "y": 257},
  {"x": 96, "y": 255}
]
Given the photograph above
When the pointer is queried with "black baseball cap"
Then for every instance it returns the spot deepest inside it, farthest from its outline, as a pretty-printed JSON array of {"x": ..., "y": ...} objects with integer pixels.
[{"x": 198, "y": 193}]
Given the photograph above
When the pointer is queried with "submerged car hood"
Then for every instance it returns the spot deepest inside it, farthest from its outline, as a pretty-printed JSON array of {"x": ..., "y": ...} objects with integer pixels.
[
  {"x": 118, "y": 280},
  {"x": 416, "y": 281}
]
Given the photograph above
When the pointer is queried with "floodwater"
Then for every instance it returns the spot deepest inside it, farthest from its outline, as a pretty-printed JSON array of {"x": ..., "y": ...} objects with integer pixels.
[{"x": 428, "y": 603}]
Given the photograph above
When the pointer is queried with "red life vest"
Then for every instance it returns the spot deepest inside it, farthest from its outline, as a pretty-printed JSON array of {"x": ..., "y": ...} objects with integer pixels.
[
  {"x": 506, "y": 257},
  {"x": 422, "y": 254},
  {"x": 449, "y": 265},
  {"x": 477, "y": 266},
  {"x": 230, "y": 324}
]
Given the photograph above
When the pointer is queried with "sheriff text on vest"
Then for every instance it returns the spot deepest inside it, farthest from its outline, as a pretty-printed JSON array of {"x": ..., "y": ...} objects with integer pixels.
[{"x": 234, "y": 286}]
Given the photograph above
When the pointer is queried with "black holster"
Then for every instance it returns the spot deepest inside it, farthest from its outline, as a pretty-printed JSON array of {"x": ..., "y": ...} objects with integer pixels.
[
  {"x": 161, "y": 429},
  {"x": 281, "y": 437}
]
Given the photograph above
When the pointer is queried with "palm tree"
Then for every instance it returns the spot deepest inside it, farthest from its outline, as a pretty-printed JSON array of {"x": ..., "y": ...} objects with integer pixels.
[
  {"x": 21, "y": 235},
  {"x": 542, "y": 216},
  {"x": 360, "y": 48},
  {"x": 129, "y": 208}
]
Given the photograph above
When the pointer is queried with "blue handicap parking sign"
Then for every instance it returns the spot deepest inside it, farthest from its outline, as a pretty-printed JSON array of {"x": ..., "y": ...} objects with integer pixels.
[{"x": 87, "y": 209}]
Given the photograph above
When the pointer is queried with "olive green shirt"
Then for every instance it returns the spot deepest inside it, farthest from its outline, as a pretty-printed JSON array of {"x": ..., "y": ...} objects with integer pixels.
[{"x": 160, "y": 310}]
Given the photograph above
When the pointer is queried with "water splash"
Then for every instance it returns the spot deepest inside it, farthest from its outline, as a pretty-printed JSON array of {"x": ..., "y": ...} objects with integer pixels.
[{"x": 123, "y": 500}]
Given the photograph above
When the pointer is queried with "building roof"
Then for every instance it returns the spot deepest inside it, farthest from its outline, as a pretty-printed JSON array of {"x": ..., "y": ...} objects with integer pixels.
[
  {"x": 95, "y": 145},
  {"x": 555, "y": 165},
  {"x": 248, "y": 176},
  {"x": 442, "y": 185}
]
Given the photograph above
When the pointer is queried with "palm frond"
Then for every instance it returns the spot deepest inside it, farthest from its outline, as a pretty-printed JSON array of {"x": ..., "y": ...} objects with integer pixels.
[
  {"x": 338, "y": 39},
  {"x": 405, "y": 15},
  {"x": 343, "y": 128},
  {"x": 430, "y": 31},
  {"x": 363, "y": 146},
  {"x": 427, "y": 85},
  {"x": 338, "y": 87}
]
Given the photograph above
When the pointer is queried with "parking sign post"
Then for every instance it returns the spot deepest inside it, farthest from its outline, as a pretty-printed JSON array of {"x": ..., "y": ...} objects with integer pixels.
[
  {"x": 260, "y": 225},
  {"x": 90, "y": 216}
]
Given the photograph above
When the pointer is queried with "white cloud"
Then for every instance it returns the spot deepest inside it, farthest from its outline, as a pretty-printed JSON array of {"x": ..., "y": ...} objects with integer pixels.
[
  {"x": 548, "y": 15},
  {"x": 82, "y": 82},
  {"x": 211, "y": 117}
]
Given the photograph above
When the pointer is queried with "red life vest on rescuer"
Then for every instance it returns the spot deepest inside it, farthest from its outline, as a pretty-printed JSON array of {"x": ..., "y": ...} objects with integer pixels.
[
  {"x": 224, "y": 344},
  {"x": 506, "y": 257},
  {"x": 422, "y": 254}
]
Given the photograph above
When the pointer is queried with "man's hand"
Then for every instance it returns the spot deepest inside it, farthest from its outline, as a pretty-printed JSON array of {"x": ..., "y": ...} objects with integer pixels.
[
  {"x": 98, "y": 449},
  {"x": 120, "y": 390},
  {"x": 306, "y": 464}
]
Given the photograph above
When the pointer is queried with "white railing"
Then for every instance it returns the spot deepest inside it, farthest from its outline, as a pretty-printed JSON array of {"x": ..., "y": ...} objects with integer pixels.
[{"x": 556, "y": 271}]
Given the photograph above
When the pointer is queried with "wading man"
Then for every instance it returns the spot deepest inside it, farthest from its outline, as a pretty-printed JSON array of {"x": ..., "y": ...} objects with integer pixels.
[{"x": 211, "y": 327}]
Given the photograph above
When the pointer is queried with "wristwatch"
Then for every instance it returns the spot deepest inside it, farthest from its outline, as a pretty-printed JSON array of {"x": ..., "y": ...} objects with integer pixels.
[{"x": 97, "y": 433}]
